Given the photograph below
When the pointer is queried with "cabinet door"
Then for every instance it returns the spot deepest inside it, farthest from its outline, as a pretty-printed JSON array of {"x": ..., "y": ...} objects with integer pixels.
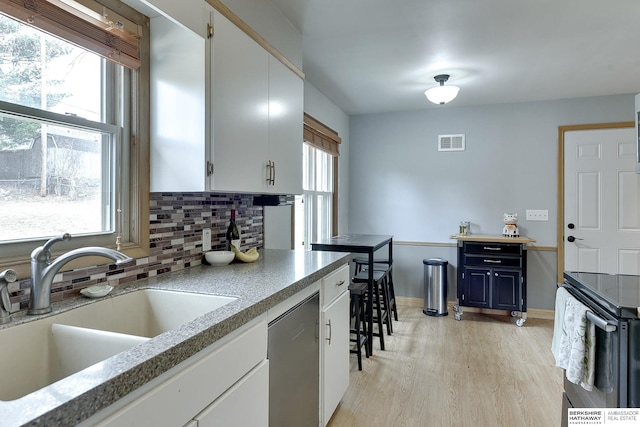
[
  {"x": 186, "y": 13},
  {"x": 240, "y": 110},
  {"x": 506, "y": 289},
  {"x": 285, "y": 128},
  {"x": 177, "y": 89},
  {"x": 244, "y": 404},
  {"x": 335, "y": 354},
  {"x": 476, "y": 287}
]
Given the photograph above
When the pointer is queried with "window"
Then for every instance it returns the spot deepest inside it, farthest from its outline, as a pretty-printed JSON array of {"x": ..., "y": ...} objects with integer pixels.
[
  {"x": 71, "y": 151},
  {"x": 315, "y": 209}
]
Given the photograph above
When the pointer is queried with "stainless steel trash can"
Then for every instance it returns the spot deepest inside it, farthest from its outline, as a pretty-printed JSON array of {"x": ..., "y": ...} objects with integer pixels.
[{"x": 435, "y": 287}]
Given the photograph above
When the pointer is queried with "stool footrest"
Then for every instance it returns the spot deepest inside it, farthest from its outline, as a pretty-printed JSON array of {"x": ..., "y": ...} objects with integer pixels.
[
  {"x": 362, "y": 260},
  {"x": 363, "y": 276}
]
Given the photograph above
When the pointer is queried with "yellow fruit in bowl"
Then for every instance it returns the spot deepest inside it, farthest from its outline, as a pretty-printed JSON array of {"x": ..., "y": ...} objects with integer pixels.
[{"x": 249, "y": 256}]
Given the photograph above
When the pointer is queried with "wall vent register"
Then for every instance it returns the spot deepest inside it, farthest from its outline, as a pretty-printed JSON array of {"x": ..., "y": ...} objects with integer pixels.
[{"x": 451, "y": 142}]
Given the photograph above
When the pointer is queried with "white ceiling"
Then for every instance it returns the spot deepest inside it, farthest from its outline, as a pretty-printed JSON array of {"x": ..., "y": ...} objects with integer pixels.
[{"x": 380, "y": 55}]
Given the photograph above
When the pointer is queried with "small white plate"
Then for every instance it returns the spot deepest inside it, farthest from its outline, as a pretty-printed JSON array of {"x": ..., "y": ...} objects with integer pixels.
[{"x": 96, "y": 291}]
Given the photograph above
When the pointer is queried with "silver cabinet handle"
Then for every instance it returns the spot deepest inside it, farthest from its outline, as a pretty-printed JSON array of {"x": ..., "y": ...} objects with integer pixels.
[
  {"x": 329, "y": 325},
  {"x": 492, "y": 261},
  {"x": 489, "y": 248},
  {"x": 273, "y": 179},
  {"x": 340, "y": 283},
  {"x": 271, "y": 166}
]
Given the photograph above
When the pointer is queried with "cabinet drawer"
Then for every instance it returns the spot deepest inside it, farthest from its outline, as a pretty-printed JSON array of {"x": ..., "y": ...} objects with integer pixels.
[
  {"x": 334, "y": 284},
  {"x": 492, "y": 248},
  {"x": 492, "y": 261}
]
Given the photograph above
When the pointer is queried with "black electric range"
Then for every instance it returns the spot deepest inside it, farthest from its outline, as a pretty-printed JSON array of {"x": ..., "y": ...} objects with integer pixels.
[
  {"x": 619, "y": 294},
  {"x": 613, "y": 300}
]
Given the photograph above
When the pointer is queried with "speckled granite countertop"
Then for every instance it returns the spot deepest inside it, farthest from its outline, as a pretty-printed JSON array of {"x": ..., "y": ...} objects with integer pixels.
[{"x": 259, "y": 286}]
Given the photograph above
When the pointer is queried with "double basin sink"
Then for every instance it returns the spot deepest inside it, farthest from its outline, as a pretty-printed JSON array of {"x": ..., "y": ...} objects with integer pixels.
[{"x": 38, "y": 353}]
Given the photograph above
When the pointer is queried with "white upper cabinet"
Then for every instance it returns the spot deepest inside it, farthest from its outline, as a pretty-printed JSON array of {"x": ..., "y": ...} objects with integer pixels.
[
  {"x": 285, "y": 129},
  {"x": 257, "y": 106},
  {"x": 239, "y": 108},
  {"x": 187, "y": 13},
  {"x": 226, "y": 115},
  {"x": 177, "y": 108}
]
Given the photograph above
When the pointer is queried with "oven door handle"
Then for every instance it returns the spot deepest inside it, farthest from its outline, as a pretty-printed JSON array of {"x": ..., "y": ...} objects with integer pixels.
[{"x": 601, "y": 323}]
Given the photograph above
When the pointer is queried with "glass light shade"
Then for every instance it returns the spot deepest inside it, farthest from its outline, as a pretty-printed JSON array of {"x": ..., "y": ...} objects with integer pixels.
[{"x": 442, "y": 94}]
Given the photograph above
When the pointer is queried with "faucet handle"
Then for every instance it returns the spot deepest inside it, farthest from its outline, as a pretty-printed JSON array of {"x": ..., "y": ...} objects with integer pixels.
[
  {"x": 50, "y": 242},
  {"x": 8, "y": 276}
]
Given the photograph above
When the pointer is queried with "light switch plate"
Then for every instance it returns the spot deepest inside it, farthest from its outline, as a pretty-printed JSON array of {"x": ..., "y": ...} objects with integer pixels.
[
  {"x": 206, "y": 239},
  {"x": 537, "y": 215}
]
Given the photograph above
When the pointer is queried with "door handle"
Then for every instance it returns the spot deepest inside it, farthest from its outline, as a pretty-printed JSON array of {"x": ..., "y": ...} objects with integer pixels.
[
  {"x": 329, "y": 338},
  {"x": 573, "y": 239}
]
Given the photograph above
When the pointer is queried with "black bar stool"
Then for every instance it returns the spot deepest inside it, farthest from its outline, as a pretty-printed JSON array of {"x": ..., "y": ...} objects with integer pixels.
[
  {"x": 361, "y": 264},
  {"x": 379, "y": 301},
  {"x": 357, "y": 292}
]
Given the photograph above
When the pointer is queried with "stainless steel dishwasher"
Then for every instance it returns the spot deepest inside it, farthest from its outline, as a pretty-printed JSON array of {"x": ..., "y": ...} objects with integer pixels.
[{"x": 293, "y": 354}]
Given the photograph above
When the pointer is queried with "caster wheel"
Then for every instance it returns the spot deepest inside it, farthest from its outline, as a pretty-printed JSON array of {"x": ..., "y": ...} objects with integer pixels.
[
  {"x": 520, "y": 322},
  {"x": 514, "y": 313},
  {"x": 458, "y": 316}
]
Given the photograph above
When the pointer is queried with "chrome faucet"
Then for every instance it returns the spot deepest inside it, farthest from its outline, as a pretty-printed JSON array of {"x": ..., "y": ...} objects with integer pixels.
[
  {"x": 43, "y": 271},
  {"x": 6, "y": 277}
]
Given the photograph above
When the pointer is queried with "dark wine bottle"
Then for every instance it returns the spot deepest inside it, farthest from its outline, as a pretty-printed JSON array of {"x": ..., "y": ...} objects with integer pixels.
[{"x": 233, "y": 235}]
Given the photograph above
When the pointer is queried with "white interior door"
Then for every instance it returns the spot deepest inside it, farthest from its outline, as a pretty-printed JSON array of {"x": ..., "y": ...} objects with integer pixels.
[{"x": 601, "y": 201}]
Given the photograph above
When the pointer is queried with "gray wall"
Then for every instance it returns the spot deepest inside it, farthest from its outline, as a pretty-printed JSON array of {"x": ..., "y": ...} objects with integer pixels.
[{"x": 401, "y": 185}]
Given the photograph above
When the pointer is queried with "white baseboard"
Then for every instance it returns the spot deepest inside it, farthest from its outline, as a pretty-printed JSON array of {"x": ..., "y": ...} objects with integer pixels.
[{"x": 535, "y": 313}]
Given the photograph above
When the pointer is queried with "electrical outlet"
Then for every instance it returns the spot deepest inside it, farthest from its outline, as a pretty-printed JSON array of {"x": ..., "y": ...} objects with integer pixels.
[
  {"x": 537, "y": 215},
  {"x": 206, "y": 239}
]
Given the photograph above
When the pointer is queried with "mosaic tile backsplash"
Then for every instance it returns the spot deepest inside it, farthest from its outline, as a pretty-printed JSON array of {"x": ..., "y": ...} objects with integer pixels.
[{"x": 176, "y": 221}]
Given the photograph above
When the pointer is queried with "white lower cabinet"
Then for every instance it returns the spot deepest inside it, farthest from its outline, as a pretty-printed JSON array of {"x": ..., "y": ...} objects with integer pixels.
[
  {"x": 335, "y": 350},
  {"x": 334, "y": 356},
  {"x": 244, "y": 404},
  {"x": 220, "y": 376}
]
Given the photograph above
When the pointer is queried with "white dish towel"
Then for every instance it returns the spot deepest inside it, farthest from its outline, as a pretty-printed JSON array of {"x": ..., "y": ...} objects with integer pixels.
[
  {"x": 573, "y": 344},
  {"x": 561, "y": 301}
]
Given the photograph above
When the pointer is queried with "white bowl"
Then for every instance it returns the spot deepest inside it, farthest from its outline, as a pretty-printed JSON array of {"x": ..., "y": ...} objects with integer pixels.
[
  {"x": 219, "y": 257},
  {"x": 96, "y": 291}
]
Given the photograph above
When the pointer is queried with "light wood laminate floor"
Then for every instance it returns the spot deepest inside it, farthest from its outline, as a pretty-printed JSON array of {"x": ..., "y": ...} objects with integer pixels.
[{"x": 482, "y": 371}]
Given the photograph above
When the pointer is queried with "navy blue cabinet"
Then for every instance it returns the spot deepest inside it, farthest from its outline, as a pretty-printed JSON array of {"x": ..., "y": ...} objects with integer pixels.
[{"x": 492, "y": 274}]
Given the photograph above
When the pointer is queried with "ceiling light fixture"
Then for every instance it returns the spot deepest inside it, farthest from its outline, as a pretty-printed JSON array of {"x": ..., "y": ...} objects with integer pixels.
[{"x": 442, "y": 94}]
